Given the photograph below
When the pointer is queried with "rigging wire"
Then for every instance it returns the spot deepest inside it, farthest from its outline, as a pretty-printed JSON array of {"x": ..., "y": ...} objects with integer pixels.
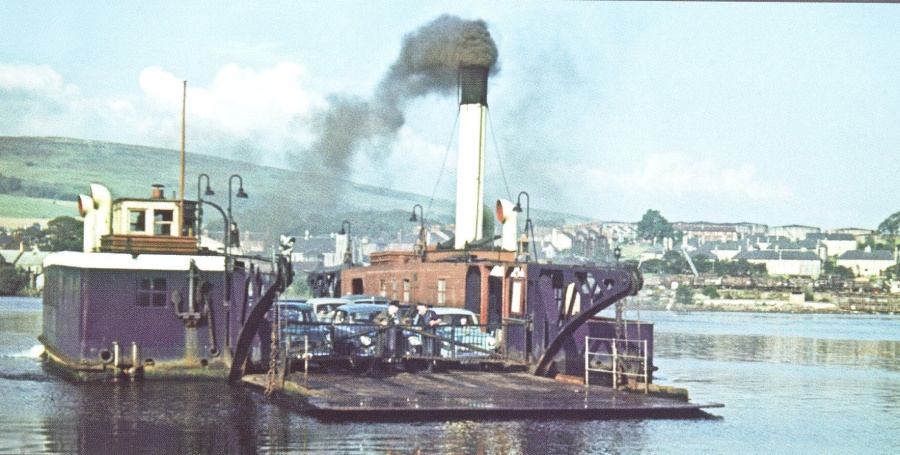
[
  {"x": 497, "y": 149},
  {"x": 443, "y": 165}
]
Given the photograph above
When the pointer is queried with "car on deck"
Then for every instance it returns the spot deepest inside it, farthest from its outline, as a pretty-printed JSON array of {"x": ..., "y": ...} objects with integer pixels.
[
  {"x": 323, "y": 307},
  {"x": 299, "y": 327},
  {"x": 355, "y": 332},
  {"x": 471, "y": 340}
]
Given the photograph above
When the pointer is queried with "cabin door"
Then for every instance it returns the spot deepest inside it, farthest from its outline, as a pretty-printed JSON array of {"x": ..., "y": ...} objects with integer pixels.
[
  {"x": 495, "y": 302},
  {"x": 473, "y": 289}
]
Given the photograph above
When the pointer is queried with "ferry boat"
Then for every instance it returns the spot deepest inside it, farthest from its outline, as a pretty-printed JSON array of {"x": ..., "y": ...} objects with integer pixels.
[{"x": 146, "y": 297}]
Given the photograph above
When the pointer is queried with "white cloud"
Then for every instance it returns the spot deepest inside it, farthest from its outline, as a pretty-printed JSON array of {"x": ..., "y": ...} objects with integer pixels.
[
  {"x": 669, "y": 174},
  {"x": 35, "y": 80},
  {"x": 35, "y": 100},
  {"x": 239, "y": 100},
  {"x": 246, "y": 113},
  {"x": 242, "y": 108}
]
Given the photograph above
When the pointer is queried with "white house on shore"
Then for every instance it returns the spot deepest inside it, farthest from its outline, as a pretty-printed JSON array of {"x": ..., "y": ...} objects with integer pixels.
[
  {"x": 867, "y": 263},
  {"x": 793, "y": 263},
  {"x": 794, "y": 232},
  {"x": 835, "y": 244}
]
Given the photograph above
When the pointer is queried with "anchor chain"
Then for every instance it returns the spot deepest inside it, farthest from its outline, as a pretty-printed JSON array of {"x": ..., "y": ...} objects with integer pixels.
[{"x": 272, "y": 374}]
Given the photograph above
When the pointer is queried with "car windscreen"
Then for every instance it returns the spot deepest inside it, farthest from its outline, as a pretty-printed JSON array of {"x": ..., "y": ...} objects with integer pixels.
[
  {"x": 363, "y": 316},
  {"x": 295, "y": 315},
  {"x": 458, "y": 319}
]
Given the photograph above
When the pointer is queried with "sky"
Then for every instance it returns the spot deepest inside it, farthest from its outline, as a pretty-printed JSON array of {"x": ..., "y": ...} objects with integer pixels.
[{"x": 722, "y": 112}]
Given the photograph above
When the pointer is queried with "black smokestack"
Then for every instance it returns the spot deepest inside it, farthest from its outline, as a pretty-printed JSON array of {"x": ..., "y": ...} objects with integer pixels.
[
  {"x": 429, "y": 62},
  {"x": 473, "y": 85}
]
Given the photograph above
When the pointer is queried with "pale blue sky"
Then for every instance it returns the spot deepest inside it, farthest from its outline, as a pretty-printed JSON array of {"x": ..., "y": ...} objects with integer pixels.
[{"x": 769, "y": 113}]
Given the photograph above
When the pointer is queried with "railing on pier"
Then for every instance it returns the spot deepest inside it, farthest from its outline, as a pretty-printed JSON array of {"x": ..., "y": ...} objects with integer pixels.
[
  {"x": 322, "y": 341},
  {"x": 621, "y": 359}
]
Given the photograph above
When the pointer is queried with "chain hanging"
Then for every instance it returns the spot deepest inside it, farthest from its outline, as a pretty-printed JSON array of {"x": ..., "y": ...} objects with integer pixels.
[{"x": 272, "y": 374}]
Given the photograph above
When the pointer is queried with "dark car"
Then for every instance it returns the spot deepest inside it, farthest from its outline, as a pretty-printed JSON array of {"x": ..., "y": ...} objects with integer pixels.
[
  {"x": 355, "y": 332},
  {"x": 299, "y": 329}
]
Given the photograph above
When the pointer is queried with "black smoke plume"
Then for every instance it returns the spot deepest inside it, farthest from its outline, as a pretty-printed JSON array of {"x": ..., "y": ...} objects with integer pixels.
[{"x": 428, "y": 63}]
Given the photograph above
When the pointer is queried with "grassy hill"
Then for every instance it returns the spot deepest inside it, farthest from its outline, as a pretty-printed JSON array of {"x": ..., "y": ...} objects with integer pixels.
[{"x": 40, "y": 178}]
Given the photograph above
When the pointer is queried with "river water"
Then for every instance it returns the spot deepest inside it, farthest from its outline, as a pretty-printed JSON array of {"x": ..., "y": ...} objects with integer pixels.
[{"x": 790, "y": 384}]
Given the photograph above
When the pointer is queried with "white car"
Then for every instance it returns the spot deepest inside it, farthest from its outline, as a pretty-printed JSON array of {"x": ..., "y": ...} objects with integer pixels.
[
  {"x": 462, "y": 325},
  {"x": 324, "y": 307}
]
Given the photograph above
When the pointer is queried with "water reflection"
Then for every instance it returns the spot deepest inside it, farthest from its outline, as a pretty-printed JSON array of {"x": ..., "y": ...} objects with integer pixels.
[
  {"x": 866, "y": 354},
  {"x": 152, "y": 417},
  {"x": 807, "y": 384}
]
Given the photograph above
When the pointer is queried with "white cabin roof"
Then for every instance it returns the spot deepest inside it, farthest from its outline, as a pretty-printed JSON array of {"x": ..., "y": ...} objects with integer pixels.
[{"x": 124, "y": 261}]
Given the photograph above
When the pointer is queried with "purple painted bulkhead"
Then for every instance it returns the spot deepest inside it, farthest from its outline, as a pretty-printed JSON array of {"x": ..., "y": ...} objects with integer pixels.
[
  {"x": 86, "y": 310},
  {"x": 553, "y": 308}
]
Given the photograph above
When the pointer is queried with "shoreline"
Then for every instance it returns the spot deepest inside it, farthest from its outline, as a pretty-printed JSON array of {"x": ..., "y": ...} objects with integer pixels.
[{"x": 772, "y": 306}]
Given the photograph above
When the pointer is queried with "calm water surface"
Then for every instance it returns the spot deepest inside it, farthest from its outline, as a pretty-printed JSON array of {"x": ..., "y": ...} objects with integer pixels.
[{"x": 790, "y": 384}]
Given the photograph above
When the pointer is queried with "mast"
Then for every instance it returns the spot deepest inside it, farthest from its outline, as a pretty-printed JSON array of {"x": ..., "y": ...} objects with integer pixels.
[{"x": 181, "y": 187}]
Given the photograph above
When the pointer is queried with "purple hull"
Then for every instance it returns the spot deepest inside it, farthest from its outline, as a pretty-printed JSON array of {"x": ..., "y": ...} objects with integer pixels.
[{"x": 88, "y": 310}]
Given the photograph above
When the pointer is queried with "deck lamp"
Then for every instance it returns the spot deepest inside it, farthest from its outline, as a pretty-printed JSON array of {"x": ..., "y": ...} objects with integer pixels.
[
  {"x": 240, "y": 193},
  {"x": 199, "y": 209},
  {"x": 528, "y": 232},
  {"x": 348, "y": 255},
  {"x": 421, "y": 220}
]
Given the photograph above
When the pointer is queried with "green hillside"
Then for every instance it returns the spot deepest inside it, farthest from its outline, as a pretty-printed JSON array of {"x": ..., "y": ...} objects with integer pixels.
[
  {"x": 35, "y": 171},
  {"x": 29, "y": 207}
]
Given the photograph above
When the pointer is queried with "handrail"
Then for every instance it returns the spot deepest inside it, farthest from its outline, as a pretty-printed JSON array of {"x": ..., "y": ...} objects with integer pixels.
[
  {"x": 449, "y": 342},
  {"x": 619, "y": 355}
]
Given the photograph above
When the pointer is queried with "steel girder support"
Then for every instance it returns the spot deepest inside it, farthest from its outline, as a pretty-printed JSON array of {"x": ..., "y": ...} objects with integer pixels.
[
  {"x": 248, "y": 330},
  {"x": 600, "y": 287}
]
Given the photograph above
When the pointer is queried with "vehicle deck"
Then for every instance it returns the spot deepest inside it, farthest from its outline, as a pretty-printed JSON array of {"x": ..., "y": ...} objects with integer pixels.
[{"x": 470, "y": 395}]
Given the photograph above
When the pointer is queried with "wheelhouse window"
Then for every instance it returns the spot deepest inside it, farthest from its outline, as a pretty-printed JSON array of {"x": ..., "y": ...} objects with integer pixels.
[
  {"x": 162, "y": 222},
  {"x": 151, "y": 292},
  {"x": 515, "y": 296},
  {"x": 137, "y": 220},
  {"x": 442, "y": 292}
]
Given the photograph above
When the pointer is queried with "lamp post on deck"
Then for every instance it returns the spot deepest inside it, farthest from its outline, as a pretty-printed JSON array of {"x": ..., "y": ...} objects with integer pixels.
[
  {"x": 241, "y": 194},
  {"x": 228, "y": 266},
  {"x": 199, "y": 210},
  {"x": 421, "y": 227},
  {"x": 227, "y": 302},
  {"x": 528, "y": 232},
  {"x": 348, "y": 255}
]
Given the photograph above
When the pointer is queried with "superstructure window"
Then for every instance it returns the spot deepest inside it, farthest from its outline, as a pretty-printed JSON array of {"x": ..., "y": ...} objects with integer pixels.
[
  {"x": 151, "y": 292},
  {"x": 441, "y": 292},
  {"x": 137, "y": 220},
  {"x": 515, "y": 296},
  {"x": 162, "y": 222}
]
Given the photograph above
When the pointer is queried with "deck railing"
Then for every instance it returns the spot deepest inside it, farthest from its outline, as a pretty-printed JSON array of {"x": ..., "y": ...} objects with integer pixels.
[
  {"x": 622, "y": 359},
  {"x": 464, "y": 343}
]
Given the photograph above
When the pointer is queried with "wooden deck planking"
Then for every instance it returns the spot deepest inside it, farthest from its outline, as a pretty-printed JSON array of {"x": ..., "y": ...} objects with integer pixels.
[{"x": 474, "y": 395}]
